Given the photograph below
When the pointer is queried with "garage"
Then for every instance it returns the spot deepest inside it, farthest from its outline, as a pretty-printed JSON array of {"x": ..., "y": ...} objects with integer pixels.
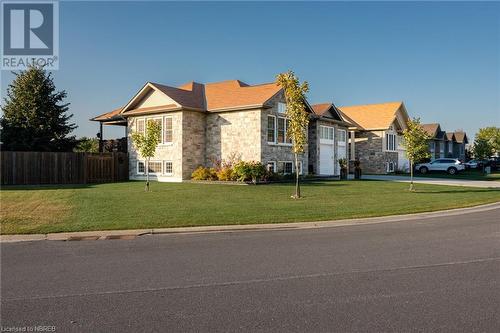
[{"x": 326, "y": 150}]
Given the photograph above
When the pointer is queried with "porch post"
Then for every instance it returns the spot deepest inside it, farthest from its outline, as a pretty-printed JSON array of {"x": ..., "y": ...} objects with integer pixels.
[
  {"x": 100, "y": 138},
  {"x": 352, "y": 148}
]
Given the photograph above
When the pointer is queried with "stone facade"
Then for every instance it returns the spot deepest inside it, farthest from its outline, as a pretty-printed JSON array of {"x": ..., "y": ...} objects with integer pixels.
[
  {"x": 277, "y": 152},
  {"x": 369, "y": 149},
  {"x": 233, "y": 134},
  {"x": 193, "y": 141},
  {"x": 171, "y": 152}
]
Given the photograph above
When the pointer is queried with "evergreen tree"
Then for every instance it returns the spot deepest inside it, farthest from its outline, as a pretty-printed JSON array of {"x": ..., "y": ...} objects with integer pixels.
[{"x": 34, "y": 115}]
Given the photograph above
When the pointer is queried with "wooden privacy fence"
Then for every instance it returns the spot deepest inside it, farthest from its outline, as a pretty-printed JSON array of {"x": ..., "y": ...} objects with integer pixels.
[{"x": 33, "y": 168}]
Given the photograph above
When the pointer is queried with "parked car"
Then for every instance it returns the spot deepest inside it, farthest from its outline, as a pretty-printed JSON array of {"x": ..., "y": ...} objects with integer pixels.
[
  {"x": 494, "y": 163},
  {"x": 474, "y": 164},
  {"x": 450, "y": 165}
]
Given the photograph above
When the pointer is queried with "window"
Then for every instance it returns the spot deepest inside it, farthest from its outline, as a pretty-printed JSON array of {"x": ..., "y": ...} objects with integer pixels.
[
  {"x": 326, "y": 133},
  {"x": 390, "y": 166},
  {"x": 287, "y": 167},
  {"x": 287, "y": 126},
  {"x": 140, "y": 167},
  {"x": 154, "y": 167},
  {"x": 281, "y": 130},
  {"x": 140, "y": 126},
  {"x": 167, "y": 130},
  {"x": 431, "y": 146},
  {"x": 390, "y": 142},
  {"x": 271, "y": 129},
  {"x": 168, "y": 168},
  {"x": 271, "y": 166},
  {"x": 342, "y": 137},
  {"x": 450, "y": 147},
  {"x": 159, "y": 122},
  {"x": 281, "y": 107}
]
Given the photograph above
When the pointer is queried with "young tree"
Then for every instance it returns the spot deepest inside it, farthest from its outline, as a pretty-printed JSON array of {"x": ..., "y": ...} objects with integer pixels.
[
  {"x": 146, "y": 144},
  {"x": 87, "y": 145},
  {"x": 297, "y": 115},
  {"x": 34, "y": 115},
  {"x": 482, "y": 149},
  {"x": 416, "y": 144},
  {"x": 492, "y": 135}
]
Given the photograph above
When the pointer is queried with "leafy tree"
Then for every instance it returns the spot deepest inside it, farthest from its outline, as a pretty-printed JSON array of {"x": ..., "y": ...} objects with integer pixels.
[
  {"x": 492, "y": 135},
  {"x": 87, "y": 145},
  {"x": 482, "y": 149},
  {"x": 34, "y": 115},
  {"x": 416, "y": 143},
  {"x": 146, "y": 144},
  {"x": 296, "y": 113}
]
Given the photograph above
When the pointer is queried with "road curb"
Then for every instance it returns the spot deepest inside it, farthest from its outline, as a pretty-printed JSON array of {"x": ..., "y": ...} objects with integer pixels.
[{"x": 128, "y": 234}]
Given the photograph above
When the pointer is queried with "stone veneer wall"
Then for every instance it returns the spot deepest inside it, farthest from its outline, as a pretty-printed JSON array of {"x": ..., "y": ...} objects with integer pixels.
[
  {"x": 313, "y": 139},
  {"x": 164, "y": 152},
  {"x": 272, "y": 152},
  {"x": 369, "y": 151},
  {"x": 193, "y": 141},
  {"x": 233, "y": 134}
]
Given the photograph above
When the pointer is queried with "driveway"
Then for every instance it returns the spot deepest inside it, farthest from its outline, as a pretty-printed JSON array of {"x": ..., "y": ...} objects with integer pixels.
[
  {"x": 437, "y": 181},
  {"x": 425, "y": 275}
]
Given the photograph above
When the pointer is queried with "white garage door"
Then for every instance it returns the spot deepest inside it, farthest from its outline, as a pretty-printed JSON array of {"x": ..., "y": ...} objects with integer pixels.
[
  {"x": 326, "y": 150},
  {"x": 326, "y": 159}
]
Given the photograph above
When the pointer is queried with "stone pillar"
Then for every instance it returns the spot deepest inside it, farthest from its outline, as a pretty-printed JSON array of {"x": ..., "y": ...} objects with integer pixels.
[{"x": 352, "y": 148}]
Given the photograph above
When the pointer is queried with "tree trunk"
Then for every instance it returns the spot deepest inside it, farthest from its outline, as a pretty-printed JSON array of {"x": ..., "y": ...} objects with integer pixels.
[
  {"x": 297, "y": 184},
  {"x": 411, "y": 176},
  {"x": 147, "y": 175}
]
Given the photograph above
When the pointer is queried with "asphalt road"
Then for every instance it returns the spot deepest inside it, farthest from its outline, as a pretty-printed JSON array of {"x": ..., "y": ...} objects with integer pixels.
[{"x": 424, "y": 275}]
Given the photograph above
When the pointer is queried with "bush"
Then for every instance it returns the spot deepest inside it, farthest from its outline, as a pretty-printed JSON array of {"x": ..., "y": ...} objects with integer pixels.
[
  {"x": 246, "y": 171},
  {"x": 226, "y": 174},
  {"x": 202, "y": 173}
]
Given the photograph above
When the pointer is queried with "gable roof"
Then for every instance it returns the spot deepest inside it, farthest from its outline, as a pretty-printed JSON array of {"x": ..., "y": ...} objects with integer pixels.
[
  {"x": 431, "y": 129},
  {"x": 373, "y": 116},
  {"x": 322, "y": 108},
  {"x": 461, "y": 137},
  {"x": 329, "y": 111},
  {"x": 209, "y": 97},
  {"x": 450, "y": 136}
]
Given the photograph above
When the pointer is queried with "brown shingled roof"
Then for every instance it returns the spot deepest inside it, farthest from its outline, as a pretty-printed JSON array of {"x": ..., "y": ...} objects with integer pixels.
[
  {"x": 461, "y": 137},
  {"x": 321, "y": 109},
  {"x": 371, "y": 116},
  {"x": 108, "y": 115},
  {"x": 430, "y": 129},
  {"x": 234, "y": 93},
  {"x": 450, "y": 136}
]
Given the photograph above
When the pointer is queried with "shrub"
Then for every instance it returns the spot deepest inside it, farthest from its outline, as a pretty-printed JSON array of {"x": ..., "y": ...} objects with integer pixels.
[
  {"x": 226, "y": 174},
  {"x": 202, "y": 173},
  {"x": 253, "y": 171}
]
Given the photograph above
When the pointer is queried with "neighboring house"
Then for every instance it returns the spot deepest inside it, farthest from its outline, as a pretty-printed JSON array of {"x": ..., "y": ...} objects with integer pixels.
[
  {"x": 450, "y": 144},
  {"x": 437, "y": 140},
  {"x": 377, "y": 142},
  {"x": 203, "y": 124},
  {"x": 461, "y": 141},
  {"x": 328, "y": 139}
]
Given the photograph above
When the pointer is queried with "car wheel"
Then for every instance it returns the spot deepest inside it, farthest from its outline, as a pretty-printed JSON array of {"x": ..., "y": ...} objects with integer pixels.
[
  {"x": 423, "y": 170},
  {"x": 452, "y": 171}
]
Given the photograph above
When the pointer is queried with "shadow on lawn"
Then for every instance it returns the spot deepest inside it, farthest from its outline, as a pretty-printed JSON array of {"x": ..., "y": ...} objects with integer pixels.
[{"x": 46, "y": 187}]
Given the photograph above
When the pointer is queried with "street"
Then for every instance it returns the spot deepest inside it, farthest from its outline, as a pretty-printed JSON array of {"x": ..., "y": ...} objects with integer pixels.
[{"x": 426, "y": 275}]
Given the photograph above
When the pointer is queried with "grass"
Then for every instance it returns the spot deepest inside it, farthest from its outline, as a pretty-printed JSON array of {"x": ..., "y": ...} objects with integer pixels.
[
  {"x": 466, "y": 174},
  {"x": 127, "y": 206}
]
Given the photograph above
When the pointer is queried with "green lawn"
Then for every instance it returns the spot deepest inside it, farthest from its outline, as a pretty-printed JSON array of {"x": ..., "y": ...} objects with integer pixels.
[
  {"x": 127, "y": 206},
  {"x": 467, "y": 174}
]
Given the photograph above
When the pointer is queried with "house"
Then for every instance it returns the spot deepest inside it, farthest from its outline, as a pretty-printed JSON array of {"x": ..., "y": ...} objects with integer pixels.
[
  {"x": 437, "y": 140},
  {"x": 461, "y": 141},
  {"x": 203, "y": 124},
  {"x": 377, "y": 140},
  {"x": 450, "y": 144},
  {"x": 328, "y": 139}
]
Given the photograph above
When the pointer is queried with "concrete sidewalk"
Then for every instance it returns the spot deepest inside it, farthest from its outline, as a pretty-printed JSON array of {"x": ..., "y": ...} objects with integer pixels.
[
  {"x": 129, "y": 234},
  {"x": 436, "y": 181}
]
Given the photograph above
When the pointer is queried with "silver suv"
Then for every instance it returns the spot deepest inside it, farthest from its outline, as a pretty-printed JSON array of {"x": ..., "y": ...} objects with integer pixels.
[{"x": 450, "y": 165}]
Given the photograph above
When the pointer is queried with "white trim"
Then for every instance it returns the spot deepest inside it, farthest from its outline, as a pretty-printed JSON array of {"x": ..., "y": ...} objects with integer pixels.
[
  {"x": 163, "y": 141},
  {"x": 281, "y": 108},
  {"x": 150, "y": 173},
  {"x": 341, "y": 143},
  {"x": 165, "y": 168}
]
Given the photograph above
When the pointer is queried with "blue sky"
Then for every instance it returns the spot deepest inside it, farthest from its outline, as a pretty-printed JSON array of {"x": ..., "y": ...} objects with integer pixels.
[{"x": 442, "y": 59}]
